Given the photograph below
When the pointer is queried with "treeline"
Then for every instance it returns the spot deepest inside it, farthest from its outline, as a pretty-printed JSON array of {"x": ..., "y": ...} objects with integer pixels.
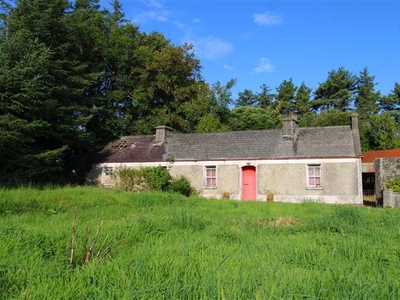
[{"x": 74, "y": 76}]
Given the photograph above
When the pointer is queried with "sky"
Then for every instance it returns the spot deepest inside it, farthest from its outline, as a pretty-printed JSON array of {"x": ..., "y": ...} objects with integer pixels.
[{"x": 260, "y": 42}]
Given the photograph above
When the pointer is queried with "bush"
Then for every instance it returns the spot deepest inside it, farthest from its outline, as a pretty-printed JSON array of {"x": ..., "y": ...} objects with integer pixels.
[
  {"x": 131, "y": 180},
  {"x": 143, "y": 179},
  {"x": 152, "y": 179},
  {"x": 182, "y": 186},
  {"x": 157, "y": 178},
  {"x": 394, "y": 184}
]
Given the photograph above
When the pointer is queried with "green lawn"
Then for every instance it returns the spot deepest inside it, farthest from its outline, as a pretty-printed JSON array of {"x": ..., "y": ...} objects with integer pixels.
[{"x": 165, "y": 246}]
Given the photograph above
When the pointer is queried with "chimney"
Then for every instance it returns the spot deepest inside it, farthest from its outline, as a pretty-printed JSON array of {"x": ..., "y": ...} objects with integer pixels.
[
  {"x": 356, "y": 134},
  {"x": 162, "y": 132},
  {"x": 354, "y": 121},
  {"x": 289, "y": 126}
]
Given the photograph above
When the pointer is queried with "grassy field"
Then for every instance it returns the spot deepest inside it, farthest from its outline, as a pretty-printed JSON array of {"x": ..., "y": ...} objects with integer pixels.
[{"x": 164, "y": 246}]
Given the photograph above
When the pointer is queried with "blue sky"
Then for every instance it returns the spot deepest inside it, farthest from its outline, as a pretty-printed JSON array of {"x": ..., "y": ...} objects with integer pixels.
[{"x": 265, "y": 42}]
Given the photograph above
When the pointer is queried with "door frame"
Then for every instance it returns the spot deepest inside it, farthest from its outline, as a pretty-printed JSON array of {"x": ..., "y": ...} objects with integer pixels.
[{"x": 254, "y": 191}]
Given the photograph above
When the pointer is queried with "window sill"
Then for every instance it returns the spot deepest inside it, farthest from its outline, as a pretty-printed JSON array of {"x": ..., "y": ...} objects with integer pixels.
[
  {"x": 209, "y": 187},
  {"x": 314, "y": 188}
]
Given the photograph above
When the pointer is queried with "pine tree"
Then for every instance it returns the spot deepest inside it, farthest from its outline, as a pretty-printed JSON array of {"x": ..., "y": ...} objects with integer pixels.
[
  {"x": 45, "y": 84},
  {"x": 337, "y": 92},
  {"x": 367, "y": 98}
]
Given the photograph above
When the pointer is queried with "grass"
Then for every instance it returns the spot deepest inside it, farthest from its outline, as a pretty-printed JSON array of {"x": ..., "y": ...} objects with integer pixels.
[{"x": 165, "y": 246}]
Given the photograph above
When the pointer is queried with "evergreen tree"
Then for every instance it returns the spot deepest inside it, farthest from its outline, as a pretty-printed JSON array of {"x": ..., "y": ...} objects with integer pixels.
[
  {"x": 337, "y": 92},
  {"x": 247, "y": 98},
  {"x": 254, "y": 118},
  {"x": 367, "y": 98},
  {"x": 265, "y": 98},
  {"x": 285, "y": 97},
  {"x": 302, "y": 98},
  {"x": 391, "y": 103},
  {"x": 44, "y": 81}
]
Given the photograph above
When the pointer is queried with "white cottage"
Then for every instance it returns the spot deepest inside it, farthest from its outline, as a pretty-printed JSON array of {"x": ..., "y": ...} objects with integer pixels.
[{"x": 291, "y": 164}]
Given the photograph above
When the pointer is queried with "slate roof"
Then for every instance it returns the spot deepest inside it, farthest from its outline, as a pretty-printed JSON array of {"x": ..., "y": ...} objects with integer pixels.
[{"x": 317, "y": 142}]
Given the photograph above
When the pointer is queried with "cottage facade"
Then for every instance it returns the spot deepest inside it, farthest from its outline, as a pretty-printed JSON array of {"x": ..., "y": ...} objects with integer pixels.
[{"x": 291, "y": 164}]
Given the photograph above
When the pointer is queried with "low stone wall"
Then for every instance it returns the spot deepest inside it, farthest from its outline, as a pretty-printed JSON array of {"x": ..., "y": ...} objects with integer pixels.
[
  {"x": 390, "y": 198},
  {"x": 385, "y": 169}
]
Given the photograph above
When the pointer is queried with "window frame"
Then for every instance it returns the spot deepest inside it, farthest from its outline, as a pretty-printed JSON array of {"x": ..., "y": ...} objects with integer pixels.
[
  {"x": 310, "y": 177},
  {"x": 212, "y": 177},
  {"x": 107, "y": 170}
]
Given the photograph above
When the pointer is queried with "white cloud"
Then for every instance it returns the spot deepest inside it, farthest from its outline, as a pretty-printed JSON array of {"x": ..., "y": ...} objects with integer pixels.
[
  {"x": 228, "y": 67},
  {"x": 264, "y": 66},
  {"x": 207, "y": 47},
  {"x": 267, "y": 18},
  {"x": 145, "y": 16},
  {"x": 153, "y": 3},
  {"x": 210, "y": 47},
  {"x": 155, "y": 12}
]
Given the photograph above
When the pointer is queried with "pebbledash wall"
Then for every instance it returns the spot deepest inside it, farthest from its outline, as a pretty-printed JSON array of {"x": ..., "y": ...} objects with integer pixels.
[
  {"x": 386, "y": 169},
  {"x": 286, "y": 179}
]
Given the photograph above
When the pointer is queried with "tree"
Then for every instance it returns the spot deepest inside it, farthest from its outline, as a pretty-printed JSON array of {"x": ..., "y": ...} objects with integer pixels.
[
  {"x": 168, "y": 79},
  {"x": 384, "y": 132},
  {"x": 285, "y": 97},
  {"x": 302, "y": 98},
  {"x": 265, "y": 98},
  {"x": 333, "y": 117},
  {"x": 118, "y": 43},
  {"x": 337, "y": 92},
  {"x": 254, "y": 118},
  {"x": 391, "y": 102},
  {"x": 44, "y": 84},
  {"x": 366, "y": 97},
  {"x": 247, "y": 98}
]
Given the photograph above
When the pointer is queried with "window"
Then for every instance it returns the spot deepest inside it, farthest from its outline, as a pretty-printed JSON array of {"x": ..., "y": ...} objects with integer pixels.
[
  {"x": 314, "y": 176},
  {"x": 108, "y": 171},
  {"x": 210, "y": 176}
]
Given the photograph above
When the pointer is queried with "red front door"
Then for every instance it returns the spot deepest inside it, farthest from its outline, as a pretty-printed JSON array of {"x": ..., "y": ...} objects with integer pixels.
[{"x": 249, "y": 183}]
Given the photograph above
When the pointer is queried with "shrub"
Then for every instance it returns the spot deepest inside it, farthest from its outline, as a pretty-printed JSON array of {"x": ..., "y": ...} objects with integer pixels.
[
  {"x": 394, "y": 184},
  {"x": 143, "y": 179},
  {"x": 182, "y": 186},
  {"x": 157, "y": 178},
  {"x": 131, "y": 180}
]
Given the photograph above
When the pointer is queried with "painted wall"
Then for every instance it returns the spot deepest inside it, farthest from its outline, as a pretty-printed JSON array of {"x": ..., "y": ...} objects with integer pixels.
[
  {"x": 341, "y": 181},
  {"x": 287, "y": 179}
]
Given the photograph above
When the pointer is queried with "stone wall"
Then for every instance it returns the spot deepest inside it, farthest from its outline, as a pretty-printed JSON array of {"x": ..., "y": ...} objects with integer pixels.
[
  {"x": 385, "y": 169},
  {"x": 391, "y": 199}
]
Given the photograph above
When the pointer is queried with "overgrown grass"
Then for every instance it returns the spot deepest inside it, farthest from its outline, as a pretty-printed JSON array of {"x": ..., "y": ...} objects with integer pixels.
[{"x": 166, "y": 246}]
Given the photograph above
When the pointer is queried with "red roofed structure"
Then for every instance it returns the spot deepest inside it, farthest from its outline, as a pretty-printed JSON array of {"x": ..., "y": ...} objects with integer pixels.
[
  {"x": 368, "y": 169},
  {"x": 369, "y": 157}
]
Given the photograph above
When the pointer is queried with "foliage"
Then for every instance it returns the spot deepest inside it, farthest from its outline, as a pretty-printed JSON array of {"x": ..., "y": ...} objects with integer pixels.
[
  {"x": 285, "y": 97},
  {"x": 157, "y": 178},
  {"x": 143, "y": 179},
  {"x": 366, "y": 101},
  {"x": 253, "y": 118},
  {"x": 151, "y": 179},
  {"x": 336, "y": 92},
  {"x": 75, "y": 76},
  {"x": 332, "y": 117},
  {"x": 131, "y": 180},
  {"x": 393, "y": 184},
  {"x": 170, "y": 246},
  {"x": 182, "y": 186},
  {"x": 384, "y": 132}
]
